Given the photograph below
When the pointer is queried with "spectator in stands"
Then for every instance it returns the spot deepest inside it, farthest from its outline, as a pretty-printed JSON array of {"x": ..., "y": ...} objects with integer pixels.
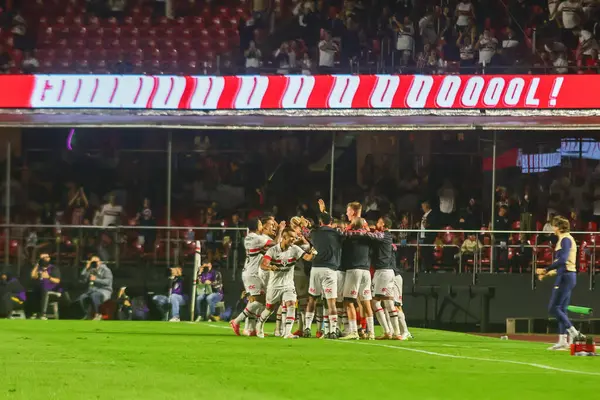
[
  {"x": 469, "y": 217},
  {"x": 110, "y": 213},
  {"x": 560, "y": 63},
  {"x": 404, "y": 252},
  {"x": 99, "y": 279},
  {"x": 447, "y": 195},
  {"x": 46, "y": 279},
  {"x": 569, "y": 16},
  {"x": 78, "y": 204},
  {"x": 12, "y": 294},
  {"x": 145, "y": 219},
  {"x": 467, "y": 53},
  {"x": 465, "y": 14},
  {"x": 469, "y": 247},
  {"x": 422, "y": 60},
  {"x": 282, "y": 59},
  {"x": 487, "y": 48},
  {"x": 429, "y": 221},
  {"x": 175, "y": 298},
  {"x": 30, "y": 64},
  {"x": 587, "y": 45},
  {"x": 427, "y": 30},
  {"x": 327, "y": 51},
  {"x": 306, "y": 64},
  {"x": 405, "y": 41},
  {"x": 509, "y": 48},
  {"x": 350, "y": 42},
  {"x": 502, "y": 223},
  {"x": 246, "y": 32},
  {"x": 574, "y": 221},
  {"x": 5, "y": 60},
  {"x": 209, "y": 290},
  {"x": 253, "y": 58}
]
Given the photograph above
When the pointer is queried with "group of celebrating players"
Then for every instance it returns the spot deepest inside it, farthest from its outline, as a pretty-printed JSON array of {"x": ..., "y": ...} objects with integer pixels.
[{"x": 325, "y": 271}]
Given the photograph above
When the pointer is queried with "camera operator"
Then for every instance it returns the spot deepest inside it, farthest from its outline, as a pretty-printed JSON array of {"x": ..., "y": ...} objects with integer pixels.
[
  {"x": 209, "y": 290},
  {"x": 46, "y": 280},
  {"x": 176, "y": 298},
  {"x": 100, "y": 280}
]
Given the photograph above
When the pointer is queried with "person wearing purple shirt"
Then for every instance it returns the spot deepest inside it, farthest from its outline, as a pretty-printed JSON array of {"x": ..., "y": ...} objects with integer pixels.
[
  {"x": 46, "y": 280},
  {"x": 209, "y": 289},
  {"x": 176, "y": 298},
  {"x": 12, "y": 294}
]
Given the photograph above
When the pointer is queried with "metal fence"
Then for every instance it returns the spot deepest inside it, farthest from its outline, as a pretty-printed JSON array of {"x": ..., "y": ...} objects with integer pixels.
[
  {"x": 420, "y": 251},
  {"x": 120, "y": 246},
  {"x": 517, "y": 252}
]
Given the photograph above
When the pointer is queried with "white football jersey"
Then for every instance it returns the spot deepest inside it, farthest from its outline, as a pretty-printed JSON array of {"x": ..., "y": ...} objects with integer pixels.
[
  {"x": 256, "y": 246},
  {"x": 285, "y": 261}
]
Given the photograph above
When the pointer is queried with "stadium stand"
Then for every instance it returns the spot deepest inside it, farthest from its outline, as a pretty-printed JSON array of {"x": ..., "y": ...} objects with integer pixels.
[{"x": 135, "y": 36}]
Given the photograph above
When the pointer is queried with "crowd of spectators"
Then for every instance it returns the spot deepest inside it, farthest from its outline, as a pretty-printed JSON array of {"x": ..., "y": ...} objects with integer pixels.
[
  {"x": 241, "y": 36},
  {"x": 221, "y": 186}
]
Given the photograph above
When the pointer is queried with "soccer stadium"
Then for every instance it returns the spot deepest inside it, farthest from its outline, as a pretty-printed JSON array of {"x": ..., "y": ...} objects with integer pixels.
[{"x": 199, "y": 198}]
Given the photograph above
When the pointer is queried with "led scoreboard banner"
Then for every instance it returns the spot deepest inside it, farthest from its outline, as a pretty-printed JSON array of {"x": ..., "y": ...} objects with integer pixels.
[{"x": 297, "y": 92}]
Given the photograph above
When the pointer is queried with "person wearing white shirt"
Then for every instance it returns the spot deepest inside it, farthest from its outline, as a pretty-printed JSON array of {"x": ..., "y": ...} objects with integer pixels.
[
  {"x": 252, "y": 58},
  {"x": 406, "y": 37},
  {"x": 110, "y": 213},
  {"x": 447, "y": 196},
  {"x": 327, "y": 50},
  {"x": 570, "y": 12},
  {"x": 487, "y": 47},
  {"x": 465, "y": 13}
]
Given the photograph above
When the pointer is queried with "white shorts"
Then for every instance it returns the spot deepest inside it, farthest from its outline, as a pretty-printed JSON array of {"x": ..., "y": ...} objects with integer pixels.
[
  {"x": 357, "y": 284},
  {"x": 264, "y": 277},
  {"x": 383, "y": 283},
  {"x": 398, "y": 283},
  {"x": 253, "y": 284},
  {"x": 323, "y": 282},
  {"x": 301, "y": 283},
  {"x": 280, "y": 295},
  {"x": 341, "y": 278}
]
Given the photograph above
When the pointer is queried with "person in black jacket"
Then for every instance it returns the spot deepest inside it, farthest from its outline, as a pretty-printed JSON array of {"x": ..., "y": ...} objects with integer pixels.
[
  {"x": 357, "y": 282},
  {"x": 429, "y": 221}
]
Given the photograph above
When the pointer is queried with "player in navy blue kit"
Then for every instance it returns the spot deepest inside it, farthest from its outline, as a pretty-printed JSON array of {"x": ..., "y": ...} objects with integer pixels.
[{"x": 564, "y": 268}]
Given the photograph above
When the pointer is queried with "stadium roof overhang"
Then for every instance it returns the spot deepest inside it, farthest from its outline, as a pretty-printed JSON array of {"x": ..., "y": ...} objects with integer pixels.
[{"x": 308, "y": 120}]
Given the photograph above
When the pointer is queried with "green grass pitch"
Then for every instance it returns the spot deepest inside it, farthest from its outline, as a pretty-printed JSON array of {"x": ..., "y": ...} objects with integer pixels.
[{"x": 153, "y": 360}]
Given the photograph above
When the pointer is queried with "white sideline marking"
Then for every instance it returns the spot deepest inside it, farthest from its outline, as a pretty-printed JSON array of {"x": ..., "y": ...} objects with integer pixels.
[
  {"x": 432, "y": 353},
  {"x": 62, "y": 362},
  {"x": 220, "y": 327}
]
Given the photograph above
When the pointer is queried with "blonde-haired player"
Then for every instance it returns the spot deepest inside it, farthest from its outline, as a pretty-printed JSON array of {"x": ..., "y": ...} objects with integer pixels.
[{"x": 564, "y": 268}]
